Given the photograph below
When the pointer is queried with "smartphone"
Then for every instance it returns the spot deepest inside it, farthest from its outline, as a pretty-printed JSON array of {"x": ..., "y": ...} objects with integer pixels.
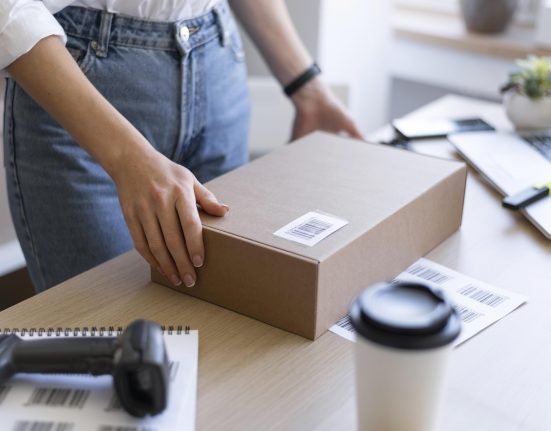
[{"x": 411, "y": 129}]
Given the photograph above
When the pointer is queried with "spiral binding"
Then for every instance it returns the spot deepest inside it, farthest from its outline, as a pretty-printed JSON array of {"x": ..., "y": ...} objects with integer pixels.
[{"x": 85, "y": 331}]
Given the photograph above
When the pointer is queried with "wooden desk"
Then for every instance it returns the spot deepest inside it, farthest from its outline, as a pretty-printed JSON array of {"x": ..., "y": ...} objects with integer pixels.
[{"x": 255, "y": 377}]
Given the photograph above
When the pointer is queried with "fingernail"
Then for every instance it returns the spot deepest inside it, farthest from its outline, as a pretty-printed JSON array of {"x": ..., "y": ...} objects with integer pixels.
[
  {"x": 197, "y": 261},
  {"x": 227, "y": 208},
  {"x": 189, "y": 281},
  {"x": 175, "y": 280}
]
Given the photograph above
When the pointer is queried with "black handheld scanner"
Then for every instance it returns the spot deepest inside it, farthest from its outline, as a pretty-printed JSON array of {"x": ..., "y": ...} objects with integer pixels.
[{"x": 137, "y": 360}]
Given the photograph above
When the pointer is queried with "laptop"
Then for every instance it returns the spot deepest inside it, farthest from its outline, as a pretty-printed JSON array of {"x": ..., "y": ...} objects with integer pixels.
[{"x": 512, "y": 163}]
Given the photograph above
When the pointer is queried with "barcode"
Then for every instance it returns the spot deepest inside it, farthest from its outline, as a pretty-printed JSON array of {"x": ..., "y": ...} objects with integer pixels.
[
  {"x": 310, "y": 228},
  {"x": 58, "y": 397},
  {"x": 4, "y": 389},
  {"x": 428, "y": 274},
  {"x": 484, "y": 296},
  {"x": 42, "y": 426},
  {"x": 114, "y": 404},
  {"x": 466, "y": 314},
  {"x": 345, "y": 323},
  {"x": 124, "y": 428}
]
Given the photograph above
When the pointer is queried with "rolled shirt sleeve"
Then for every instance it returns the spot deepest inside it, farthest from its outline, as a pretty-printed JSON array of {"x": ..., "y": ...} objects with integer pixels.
[{"x": 23, "y": 23}]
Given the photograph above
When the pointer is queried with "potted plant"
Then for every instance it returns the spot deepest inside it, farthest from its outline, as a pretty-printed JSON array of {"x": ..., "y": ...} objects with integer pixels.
[{"x": 527, "y": 95}]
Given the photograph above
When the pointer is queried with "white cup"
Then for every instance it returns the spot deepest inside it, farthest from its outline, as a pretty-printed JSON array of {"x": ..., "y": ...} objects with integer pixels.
[{"x": 404, "y": 339}]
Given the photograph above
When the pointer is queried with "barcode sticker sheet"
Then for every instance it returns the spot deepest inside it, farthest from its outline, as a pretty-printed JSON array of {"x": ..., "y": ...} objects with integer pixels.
[
  {"x": 311, "y": 228},
  {"x": 31, "y": 402},
  {"x": 478, "y": 304}
]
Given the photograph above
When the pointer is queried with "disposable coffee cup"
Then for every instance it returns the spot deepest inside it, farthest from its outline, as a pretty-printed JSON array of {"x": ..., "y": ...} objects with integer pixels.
[{"x": 404, "y": 339}]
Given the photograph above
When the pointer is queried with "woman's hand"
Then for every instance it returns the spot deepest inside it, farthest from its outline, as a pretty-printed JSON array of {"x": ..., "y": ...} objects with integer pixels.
[
  {"x": 159, "y": 201},
  {"x": 317, "y": 108}
]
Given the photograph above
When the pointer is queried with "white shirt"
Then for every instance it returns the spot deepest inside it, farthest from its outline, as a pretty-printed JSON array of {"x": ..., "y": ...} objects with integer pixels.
[{"x": 25, "y": 22}]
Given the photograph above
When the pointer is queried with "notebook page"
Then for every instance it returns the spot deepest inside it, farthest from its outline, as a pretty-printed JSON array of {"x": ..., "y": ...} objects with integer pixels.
[{"x": 32, "y": 402}]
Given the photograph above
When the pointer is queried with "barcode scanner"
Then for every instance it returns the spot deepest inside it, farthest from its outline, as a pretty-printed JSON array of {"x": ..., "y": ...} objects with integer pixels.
[{"x": 137, "y": 360}]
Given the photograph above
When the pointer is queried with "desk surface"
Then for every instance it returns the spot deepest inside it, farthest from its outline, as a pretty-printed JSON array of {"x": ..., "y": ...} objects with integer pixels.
[{"x": 253, "y": 376}]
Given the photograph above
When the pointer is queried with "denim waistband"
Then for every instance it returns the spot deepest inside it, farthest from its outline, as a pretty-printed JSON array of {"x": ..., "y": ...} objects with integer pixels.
[{"x": 104, "y": 28}]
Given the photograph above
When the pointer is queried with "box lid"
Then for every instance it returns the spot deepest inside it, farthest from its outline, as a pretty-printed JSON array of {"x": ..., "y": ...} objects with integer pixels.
[{"x": 359, "y": 182}]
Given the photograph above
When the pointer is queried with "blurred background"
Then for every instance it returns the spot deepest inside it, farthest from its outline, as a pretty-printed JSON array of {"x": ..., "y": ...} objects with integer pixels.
[{"x": 382, "y": 58}]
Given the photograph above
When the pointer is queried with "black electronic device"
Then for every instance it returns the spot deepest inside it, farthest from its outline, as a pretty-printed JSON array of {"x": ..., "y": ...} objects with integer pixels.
[
  {"x": 411, "y": 129},
  {"x": 527, "y": 196},
  {"x": 137, "y": 360}
]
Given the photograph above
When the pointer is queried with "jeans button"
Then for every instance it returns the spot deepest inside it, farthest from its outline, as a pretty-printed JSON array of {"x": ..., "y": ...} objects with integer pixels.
[{"x": 184, "y": 33}]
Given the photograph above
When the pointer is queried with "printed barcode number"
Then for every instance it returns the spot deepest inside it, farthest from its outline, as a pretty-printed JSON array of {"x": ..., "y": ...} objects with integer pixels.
[
  {"x": 58, "y": 397},
  {"x": 466, "y": 314},
  {"x": 310, "y": 228},
  {"x": 428, "y": 274},
  {"x": 345, "y": 323},
  {"x": 42, "y": 426},
  {"x": 484, "y": 296},
  {"x": 124, "y": 428},
  {"x": 4, "y": 389}
]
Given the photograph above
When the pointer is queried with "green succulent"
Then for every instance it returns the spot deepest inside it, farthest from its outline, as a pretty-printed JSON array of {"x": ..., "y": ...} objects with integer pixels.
[{"x": 532, "y": 79}]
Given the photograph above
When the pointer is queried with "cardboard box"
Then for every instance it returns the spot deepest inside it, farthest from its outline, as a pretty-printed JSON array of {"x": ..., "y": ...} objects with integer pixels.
[{"x": 398, "y": 205}]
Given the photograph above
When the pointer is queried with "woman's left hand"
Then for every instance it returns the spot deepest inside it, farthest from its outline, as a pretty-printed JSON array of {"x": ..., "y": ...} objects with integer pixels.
[{"x": 317, "y": 108}]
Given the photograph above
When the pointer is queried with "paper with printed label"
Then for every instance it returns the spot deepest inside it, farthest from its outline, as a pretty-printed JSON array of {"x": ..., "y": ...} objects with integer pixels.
[
  {"x": 478, "y": 304},
  {"x": 40, "y": 402},
  {"x": 311, "y": 228}
]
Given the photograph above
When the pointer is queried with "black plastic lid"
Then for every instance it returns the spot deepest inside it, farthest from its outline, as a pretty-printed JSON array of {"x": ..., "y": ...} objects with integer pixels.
[{"x": 404, "y": 315}]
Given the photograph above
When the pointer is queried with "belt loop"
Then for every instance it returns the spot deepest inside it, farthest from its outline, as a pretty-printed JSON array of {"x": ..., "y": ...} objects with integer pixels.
[
  {"x": 222, "y": 23},
  {"x": 102, "y": 44}
]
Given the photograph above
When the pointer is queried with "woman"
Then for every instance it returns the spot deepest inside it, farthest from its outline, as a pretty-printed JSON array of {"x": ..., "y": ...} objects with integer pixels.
[{"x": 146, "y": 101}]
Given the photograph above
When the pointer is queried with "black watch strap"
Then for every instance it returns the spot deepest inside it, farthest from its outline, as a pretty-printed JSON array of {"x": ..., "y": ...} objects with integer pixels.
[{"x": 298, "y": 82}]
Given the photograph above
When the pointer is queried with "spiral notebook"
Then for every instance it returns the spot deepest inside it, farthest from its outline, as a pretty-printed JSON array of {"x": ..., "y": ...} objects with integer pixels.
[{"x": 40, "y": 402}]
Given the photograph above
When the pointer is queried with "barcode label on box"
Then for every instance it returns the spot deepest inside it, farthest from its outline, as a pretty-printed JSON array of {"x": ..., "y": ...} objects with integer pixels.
[{"x": 311, "y": 228}]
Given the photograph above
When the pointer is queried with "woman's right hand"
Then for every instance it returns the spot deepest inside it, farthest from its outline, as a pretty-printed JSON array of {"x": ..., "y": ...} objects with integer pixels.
[
  {"x": 158, "y": 197},
  {"x": 159, "y": 201}
]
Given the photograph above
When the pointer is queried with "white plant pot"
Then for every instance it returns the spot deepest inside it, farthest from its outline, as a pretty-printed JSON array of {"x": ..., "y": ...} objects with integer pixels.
[{"x": 526, "y": 113}]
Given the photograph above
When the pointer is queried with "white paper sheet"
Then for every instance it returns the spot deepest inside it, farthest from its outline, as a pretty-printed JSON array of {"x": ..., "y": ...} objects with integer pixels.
[
  {"x": 31, "y": 402},
  {"x": 478, "y": 304}
]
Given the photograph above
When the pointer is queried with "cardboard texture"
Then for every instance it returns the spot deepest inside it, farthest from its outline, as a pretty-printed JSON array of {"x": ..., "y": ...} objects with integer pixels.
[{"x": 398, "y": 205}]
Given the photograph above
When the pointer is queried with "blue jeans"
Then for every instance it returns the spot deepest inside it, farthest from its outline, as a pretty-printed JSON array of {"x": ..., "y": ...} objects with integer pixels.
[{"x": 187, "y": 95}]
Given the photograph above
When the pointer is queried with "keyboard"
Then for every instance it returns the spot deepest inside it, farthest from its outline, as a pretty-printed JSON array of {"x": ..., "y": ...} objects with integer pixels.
[{"x": 542, "y": 143}]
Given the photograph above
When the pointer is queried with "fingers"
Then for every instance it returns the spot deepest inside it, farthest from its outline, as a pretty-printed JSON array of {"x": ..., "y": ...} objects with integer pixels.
[
  {"x": 157, "y": 246},
  {"x": 207, "y": 201},
  {"x": 190, "y": 224},
  {"x": 175, "y": 241}
]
